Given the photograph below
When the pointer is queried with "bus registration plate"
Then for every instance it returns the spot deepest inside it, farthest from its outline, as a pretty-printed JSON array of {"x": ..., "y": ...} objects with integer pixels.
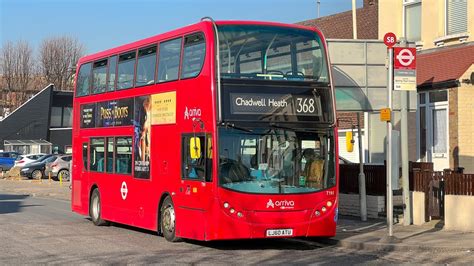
[{"x": 279, "y": 232}]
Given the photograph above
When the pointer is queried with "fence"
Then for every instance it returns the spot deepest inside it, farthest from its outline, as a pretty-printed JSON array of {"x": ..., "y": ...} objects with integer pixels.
[
  {"x": 375, "y": 179},
  {"x": 460, "y": 184},
  {"x": 454, "y": 183},
  {"x": 437, "y": 184}
]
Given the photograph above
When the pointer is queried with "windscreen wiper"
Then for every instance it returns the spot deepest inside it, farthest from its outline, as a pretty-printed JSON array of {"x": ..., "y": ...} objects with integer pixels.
[{"x": 231, "y": 125}]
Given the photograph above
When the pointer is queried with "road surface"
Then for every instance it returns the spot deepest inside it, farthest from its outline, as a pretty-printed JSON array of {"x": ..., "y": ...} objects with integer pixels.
[{"x": 37, "y": 230}]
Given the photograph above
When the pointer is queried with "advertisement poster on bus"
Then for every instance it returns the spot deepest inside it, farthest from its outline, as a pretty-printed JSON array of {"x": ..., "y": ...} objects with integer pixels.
[
  {"x": 164, "y": 108},
  {"x": 142, "y": 130},
  {"x": 115, "y": 113},
  {"x": 88, "y": 116}
]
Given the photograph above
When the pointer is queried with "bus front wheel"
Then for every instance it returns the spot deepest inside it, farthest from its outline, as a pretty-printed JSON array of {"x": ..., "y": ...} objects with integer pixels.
[
  {"x": 95, "y": 210},
  {"x": 168, "y": 220}
]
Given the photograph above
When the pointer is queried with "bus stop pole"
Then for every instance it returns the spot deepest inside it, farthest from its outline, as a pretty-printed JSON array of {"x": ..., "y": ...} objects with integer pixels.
[
  {"x": 404, "y": 150},
  {"x": 362, "y": 191},
  {"x": 389, "y": 146}
]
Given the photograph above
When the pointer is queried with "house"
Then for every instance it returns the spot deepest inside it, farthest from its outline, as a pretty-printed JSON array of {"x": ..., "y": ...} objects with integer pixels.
[{"x": 442, "y": 31}]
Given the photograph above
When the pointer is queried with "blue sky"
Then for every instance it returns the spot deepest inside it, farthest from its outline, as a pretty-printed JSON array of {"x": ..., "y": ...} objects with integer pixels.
[{"x": 103, "y": 24}]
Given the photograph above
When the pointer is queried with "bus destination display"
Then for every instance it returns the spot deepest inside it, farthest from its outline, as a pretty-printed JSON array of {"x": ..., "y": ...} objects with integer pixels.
[{"x": 275, "y": 104}]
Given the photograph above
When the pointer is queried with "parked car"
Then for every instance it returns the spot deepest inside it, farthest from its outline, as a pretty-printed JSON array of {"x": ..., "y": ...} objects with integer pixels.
[
  {"x": 36, "y": 169},
  {"x": 7, "y": 160},
  {"x": 59, "y": 167},
  {"x": 23, "y": 160}
]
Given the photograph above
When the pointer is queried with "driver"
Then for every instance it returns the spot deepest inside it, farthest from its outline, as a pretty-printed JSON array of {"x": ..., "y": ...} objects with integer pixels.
[{"x": 313, "y": 169}]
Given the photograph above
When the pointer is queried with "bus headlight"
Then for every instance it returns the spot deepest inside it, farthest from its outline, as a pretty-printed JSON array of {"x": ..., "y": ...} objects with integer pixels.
[
  {"x": 226, "y": 205},
  {"x": 317, "y": 213},
  {"x": 232, "y": 210}
]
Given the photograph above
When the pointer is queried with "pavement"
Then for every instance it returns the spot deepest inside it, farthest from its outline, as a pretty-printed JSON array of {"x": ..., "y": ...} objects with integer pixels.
[
  {"x": 373, "y": 235},
  {"x": 36, "y": 188},
  {"x": 351, "y": 233}
]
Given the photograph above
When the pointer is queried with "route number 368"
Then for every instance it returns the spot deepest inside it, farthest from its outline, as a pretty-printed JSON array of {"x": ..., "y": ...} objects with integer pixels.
[{"x": 305, "y": 105}]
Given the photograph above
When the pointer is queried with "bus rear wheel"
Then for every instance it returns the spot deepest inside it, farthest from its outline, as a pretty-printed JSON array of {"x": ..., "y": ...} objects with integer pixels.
[
  {"x": 95, "y": 210},
  {"x": 168, "y": 220}
]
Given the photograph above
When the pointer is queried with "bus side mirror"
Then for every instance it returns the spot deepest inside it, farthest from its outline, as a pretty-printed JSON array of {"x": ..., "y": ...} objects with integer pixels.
[
  {"x": 195, "y": 147},
  {"x": 349, "y": 141}
]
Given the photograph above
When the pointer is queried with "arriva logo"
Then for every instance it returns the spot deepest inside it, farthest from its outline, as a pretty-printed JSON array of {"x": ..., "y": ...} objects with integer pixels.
[
  {"x": 270, "y": 204},
  {"x": 192, "y": 112},
  {"x": 282, "y": 204}
]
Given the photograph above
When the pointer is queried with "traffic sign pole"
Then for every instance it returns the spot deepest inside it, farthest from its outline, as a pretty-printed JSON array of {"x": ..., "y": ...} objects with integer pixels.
[{"x": 389, "y": 146}]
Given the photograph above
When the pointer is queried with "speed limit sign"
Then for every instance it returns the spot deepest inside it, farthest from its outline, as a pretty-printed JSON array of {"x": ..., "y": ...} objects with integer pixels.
[{"x": 390, "y": 39}]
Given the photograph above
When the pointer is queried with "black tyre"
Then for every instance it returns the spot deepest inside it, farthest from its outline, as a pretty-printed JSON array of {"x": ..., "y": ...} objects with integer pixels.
[
  {"x": 95, "y": 210},
  {"x": 64, "y": 174},
  {"x": 37, "y": 174},
  {"x": 168, "y": 220}
]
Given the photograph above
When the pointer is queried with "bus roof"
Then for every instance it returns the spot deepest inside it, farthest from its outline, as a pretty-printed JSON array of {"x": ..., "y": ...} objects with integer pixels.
[{"x": 180, "y": 31}]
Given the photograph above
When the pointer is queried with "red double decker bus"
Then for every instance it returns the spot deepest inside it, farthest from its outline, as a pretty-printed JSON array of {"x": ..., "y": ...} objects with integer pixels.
[{"x": 218, "y": 130}]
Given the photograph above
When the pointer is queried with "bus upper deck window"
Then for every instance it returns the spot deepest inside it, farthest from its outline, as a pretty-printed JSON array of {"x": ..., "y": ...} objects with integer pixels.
[
  {"x": 126, "y": 70},
  {"x": 168, "y": 66},
  {"x": 193, "y": 55},
  {"x": 99, "y": 76},
  {"x": 83, "y": 80},
  {"x": 146, "y": 66}
]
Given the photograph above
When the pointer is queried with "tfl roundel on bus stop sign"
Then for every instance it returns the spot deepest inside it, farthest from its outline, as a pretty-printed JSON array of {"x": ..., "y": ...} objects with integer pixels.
[
  {"x": 404, "y": 68},
  {"x": 405, "y": 58}
]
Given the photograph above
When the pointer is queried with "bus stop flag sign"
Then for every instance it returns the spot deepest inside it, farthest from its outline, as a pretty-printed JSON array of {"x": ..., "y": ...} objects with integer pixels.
[{"x": 404, "y": 69}]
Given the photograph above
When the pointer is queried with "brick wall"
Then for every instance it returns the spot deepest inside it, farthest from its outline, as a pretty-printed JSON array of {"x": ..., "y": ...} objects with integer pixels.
[
  {"x": 465, "y": 105},
  {"x": 348, "y": 119},
  {"x": 453, "y": 128}
]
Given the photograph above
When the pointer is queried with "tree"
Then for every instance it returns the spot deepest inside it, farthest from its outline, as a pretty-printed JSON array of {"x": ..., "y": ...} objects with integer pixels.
[
  {"x": 24, "y": 65},
  {"x": 7, "y": 65},
  {"x": 16, "y": 65},
  {"x": 58, "y": 57}
]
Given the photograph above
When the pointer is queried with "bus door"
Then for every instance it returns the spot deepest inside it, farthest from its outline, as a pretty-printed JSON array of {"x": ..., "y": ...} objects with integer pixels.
[
  {"x": 195, "y": 188},
  {"x": 80, "y": 177}
]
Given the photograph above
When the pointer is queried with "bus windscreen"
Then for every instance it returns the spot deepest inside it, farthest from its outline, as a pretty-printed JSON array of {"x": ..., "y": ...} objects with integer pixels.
[{"x": 271, "y": 53}]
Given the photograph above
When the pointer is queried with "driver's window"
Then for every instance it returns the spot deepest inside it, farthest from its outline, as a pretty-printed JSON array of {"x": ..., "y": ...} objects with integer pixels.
[
  {"x": 312, "y": 163},
  {"x": 197, "y": 168}
]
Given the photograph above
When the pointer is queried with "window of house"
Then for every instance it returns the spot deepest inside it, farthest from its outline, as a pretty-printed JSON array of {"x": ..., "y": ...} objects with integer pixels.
[
  {"x": 123, "y": 155},
  {"x": 456, "y": 16},
  {"x": 99, "y": 76},
  {"x": 440, "y": 137},
  {"x": 193, "y": 55},
  {"x": 97, "y": 155},
  {"x": 111, "y": 73},
  {"x": 126, "y": 70},
  {"x": 412, "y": 13},
  {"x": 83, "y": 80},
  {"x": 168, "y": 66},
  {"x": 146, "y": 66},
  {"x": 438, "y": 96}
]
